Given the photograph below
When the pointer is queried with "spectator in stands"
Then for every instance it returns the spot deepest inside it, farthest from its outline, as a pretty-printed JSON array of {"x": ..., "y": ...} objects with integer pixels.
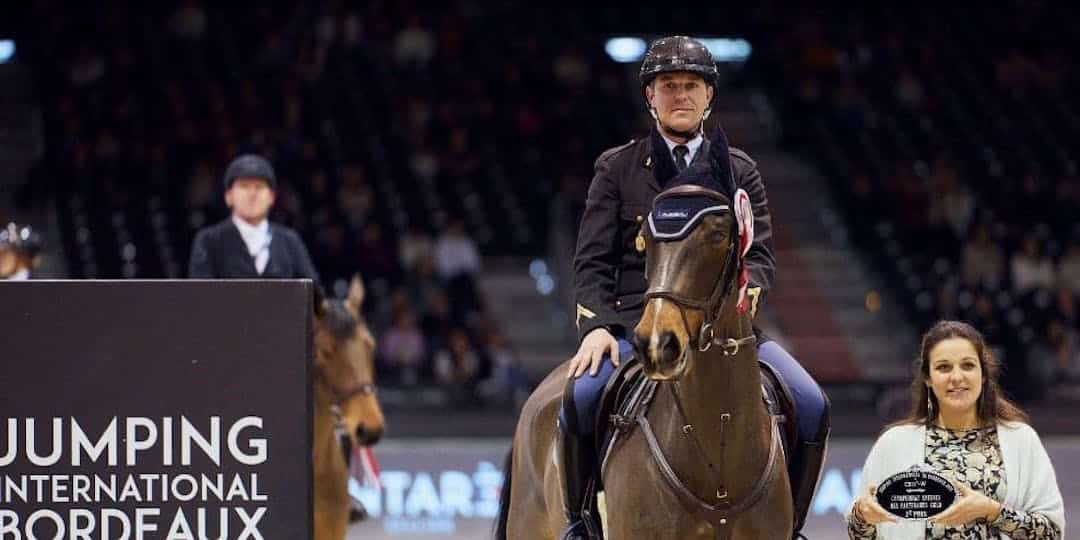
[
  {"x": 507, "y": 382},
  {"x": 414, "y": 46},
  {"x": 909, "y": 90},
  {"x": 1068, "y": 268},
  {"x": 247, "y": 245},
  {"x": 423, "y": 284},
  {"x": 1055, "y": 357},
  {"x": 961, "y": 421},
  {"x": 355, "y": 196},
  {"x": 1030, "y": 268},
  {"x": 983, "y": 262},
  {"x": 438, "y": 320},
  {"x": 188, "y": 21},
  {"x": 953, "y": 205},
  {"x": 456, "y": 253},
  {"x": 19, "y": 249},
  {"x": 403, "y": 349},
  {"x": 457, "y": 261},
  {"x": 415, "y": 248},
  {"x": 458, "y": 366},
  {"x": 376, "y": 258}
]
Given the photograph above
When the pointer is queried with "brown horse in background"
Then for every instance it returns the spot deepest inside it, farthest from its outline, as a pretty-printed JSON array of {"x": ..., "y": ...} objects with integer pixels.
[
  {"x": 344, "y": 392},
  {"x": 704, "y": 460}
]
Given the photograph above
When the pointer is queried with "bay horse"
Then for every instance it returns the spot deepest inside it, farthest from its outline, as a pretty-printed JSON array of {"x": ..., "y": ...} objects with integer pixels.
[
  {"x": 344, "y": 390},
  {"x": 702, "y": 458}
]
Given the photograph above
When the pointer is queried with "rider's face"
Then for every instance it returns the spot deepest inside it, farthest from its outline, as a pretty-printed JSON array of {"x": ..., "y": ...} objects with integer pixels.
[
  {"x": 680, "y": 100},
  {"x": 250, "y": 198}
]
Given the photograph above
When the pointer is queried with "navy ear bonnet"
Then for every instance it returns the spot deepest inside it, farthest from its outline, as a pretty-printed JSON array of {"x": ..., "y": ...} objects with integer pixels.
[
  {"x": 706, "y": 187},
  {"x": 675, "y": 214}
]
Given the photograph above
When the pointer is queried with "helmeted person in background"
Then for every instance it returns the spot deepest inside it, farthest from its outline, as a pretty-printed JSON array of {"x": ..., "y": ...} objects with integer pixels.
[
  {"x": 678, "y": 78},
  {"x": 19, "y": 249},
  {"x": 247, "y": 245}
]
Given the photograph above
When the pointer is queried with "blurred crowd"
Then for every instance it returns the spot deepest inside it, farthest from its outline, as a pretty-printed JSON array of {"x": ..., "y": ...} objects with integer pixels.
[
  {"x": 951, "y": 136},
  {"x": 378, "y": 122},
  {"x": 412, "y": 138}
]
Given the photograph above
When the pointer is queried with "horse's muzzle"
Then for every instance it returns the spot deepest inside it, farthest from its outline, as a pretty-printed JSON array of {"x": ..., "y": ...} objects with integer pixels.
[
  {"x": 663, "y": 362},
  {"x": 367, "y": 436}
]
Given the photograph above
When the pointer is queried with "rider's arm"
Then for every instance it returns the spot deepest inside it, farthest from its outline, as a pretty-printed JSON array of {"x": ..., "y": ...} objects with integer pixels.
[{"x": 597, "y": 254}]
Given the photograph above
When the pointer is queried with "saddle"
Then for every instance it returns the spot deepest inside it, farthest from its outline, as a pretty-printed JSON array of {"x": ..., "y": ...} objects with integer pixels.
[{"x": 629, "y": 394}]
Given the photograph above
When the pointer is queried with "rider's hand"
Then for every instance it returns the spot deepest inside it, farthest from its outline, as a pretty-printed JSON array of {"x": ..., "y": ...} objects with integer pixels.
[
  {"x": 591, "y": 352},
  {"x": 869, "y": 511}
]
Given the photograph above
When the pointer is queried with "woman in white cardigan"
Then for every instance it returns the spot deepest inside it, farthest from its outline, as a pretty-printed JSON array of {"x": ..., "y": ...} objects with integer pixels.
[{"x": 963, "y": 427}]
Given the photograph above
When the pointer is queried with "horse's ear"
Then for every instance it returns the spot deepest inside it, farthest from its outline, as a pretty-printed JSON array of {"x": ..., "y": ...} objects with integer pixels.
[
  {"x": 720, "y": 157},
  {"x": 355, "y": 298},
  {"x": 663, "y": 165}
]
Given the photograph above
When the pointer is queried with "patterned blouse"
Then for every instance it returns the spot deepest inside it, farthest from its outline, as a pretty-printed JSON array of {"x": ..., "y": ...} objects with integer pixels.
[{"x": 972, "y": 457}]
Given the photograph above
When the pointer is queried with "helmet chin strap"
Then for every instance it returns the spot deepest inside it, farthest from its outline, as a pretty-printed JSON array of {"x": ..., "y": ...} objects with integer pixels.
[{"x": 700, "y": 129}]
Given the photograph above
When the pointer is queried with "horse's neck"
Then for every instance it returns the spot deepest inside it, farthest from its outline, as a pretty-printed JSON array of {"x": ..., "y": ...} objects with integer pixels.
[
  {"x": 720, "y": 385},
  {"x": 324, "y": 425}
]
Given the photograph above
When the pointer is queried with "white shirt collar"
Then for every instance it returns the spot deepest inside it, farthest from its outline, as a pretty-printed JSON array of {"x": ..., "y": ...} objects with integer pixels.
[
  {"x": 257, "y": 237},
  {"x": 692, "y": 145}
]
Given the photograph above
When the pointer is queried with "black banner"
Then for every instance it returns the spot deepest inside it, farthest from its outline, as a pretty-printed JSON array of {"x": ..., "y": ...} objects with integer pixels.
[{"x": 155, "y": 409}]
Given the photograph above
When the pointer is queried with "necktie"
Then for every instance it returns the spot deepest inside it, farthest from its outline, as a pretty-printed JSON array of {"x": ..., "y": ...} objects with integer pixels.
[{"x": 680, "y": 152}]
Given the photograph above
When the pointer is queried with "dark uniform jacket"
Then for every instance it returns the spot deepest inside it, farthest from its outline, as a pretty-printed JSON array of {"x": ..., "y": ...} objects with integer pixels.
[
  {"x": 219, "y": 252},
  {"x": 609, "y": 268}
]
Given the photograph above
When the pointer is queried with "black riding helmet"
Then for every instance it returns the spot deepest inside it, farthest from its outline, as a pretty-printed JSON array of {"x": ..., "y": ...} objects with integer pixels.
[
  {"x": 23, "y": 240},
  {"x": 250, "y": 165},
  {"x": 678, "y": 54}
]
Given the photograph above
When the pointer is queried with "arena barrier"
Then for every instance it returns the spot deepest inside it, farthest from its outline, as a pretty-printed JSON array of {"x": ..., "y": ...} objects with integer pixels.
[{"x": 155, "y": 409}]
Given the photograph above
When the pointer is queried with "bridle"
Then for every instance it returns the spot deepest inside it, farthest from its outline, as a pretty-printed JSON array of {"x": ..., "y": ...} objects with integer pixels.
[
  {"x": 719, "y": 512},
  {"x": 342, "y": 395},
  {"x": 713, "y": 306}
]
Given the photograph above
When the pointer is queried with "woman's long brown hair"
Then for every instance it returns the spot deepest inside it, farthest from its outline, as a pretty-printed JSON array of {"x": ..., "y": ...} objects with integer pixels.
[{"x": 992, "y": 408}]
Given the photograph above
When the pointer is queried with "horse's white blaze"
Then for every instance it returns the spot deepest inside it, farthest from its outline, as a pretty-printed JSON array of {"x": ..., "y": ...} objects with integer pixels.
[{"x": 654, "y": 332}]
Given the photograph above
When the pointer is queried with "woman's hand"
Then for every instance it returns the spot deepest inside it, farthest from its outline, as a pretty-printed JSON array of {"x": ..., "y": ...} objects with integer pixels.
[
  {"x": 970, "y": 506},
  {"x": 868, "y": 510}
]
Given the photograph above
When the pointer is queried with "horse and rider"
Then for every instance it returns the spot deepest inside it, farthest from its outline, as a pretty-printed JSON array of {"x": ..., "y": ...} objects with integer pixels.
[{"x": 614, "y": 290}]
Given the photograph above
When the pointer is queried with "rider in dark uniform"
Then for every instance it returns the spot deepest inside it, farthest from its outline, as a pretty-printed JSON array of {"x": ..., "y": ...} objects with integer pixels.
[{"x": 678, "y": 78}]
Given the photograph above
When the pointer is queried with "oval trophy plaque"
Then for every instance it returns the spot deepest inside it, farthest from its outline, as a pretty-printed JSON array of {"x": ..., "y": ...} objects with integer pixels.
[{"x": 916, "y": 494}]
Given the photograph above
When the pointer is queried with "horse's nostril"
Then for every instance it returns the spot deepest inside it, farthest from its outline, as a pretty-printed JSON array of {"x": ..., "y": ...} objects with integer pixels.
[
  {"x": 640, "y": 344},
  {"x": 368, "y": 437},
  {"x": 669, "y": 346}
]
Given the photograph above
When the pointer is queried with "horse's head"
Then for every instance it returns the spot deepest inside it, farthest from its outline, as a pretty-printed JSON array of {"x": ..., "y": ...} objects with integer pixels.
[
  {"x": 695, "y": 238},
  {"x": 344, "y": 360}
]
